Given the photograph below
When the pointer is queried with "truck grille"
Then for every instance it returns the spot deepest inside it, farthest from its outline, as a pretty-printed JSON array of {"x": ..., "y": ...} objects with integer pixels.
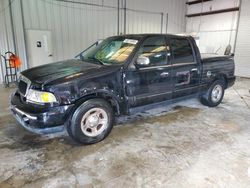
[{"x": 22, "y": 87}]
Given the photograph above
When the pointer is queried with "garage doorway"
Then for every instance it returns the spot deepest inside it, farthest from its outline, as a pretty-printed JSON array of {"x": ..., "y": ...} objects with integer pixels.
[{"x": 39, "y": 46}]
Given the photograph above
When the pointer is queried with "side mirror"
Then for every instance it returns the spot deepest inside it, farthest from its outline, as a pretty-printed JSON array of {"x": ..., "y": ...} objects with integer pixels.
[
  {"x": 99, "y": 42},
  {"x": 142, "y": 61}
]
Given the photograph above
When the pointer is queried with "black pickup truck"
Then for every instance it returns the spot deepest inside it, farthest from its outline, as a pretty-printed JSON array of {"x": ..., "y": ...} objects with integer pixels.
[{"x": 113, "y": 78}]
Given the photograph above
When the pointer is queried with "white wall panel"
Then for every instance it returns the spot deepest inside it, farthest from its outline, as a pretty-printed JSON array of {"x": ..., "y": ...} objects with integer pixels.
[
  {"x": 212, "y": 5},
  {"x": 6, "y": 32},
  {"x": 242, "y": 53},
  {"x": 215, "y": 31},
  {"x": 74, "y": 26},
  {"x": 142, "y": 22}
]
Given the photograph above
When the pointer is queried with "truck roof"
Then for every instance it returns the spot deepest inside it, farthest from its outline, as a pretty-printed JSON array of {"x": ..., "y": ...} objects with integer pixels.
[{"x": 152, "y": 34}]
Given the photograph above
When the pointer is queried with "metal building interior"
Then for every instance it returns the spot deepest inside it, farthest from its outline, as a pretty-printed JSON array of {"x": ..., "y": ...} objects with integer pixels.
[{"x": 179, "y": 144}]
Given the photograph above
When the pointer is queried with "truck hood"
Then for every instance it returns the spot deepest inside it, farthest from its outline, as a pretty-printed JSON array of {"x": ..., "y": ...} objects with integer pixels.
[{"x": 63, "y": 71}]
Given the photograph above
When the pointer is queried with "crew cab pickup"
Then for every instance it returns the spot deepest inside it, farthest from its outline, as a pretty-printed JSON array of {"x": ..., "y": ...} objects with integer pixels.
[{"x": 114, "y": 77}]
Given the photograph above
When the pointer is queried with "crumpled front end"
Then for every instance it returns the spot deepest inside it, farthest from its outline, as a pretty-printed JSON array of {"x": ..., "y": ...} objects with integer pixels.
[{"x": 39, "y": 119}]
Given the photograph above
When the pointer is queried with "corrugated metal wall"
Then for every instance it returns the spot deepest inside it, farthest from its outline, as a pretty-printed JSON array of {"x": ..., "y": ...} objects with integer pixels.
[
  {"x": 11, "y": 36},
  {"x": 76, "y": 24},
  {"x": 6, "y": 32},
  {"x": 216, "y": 31},
  {"x": 148, "y": 20}
]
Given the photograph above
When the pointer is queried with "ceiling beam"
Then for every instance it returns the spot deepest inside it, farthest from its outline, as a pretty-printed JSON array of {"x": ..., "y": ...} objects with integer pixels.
[
  {"x": 213, "y": 12},
  {"x": 196, "y": 2}
]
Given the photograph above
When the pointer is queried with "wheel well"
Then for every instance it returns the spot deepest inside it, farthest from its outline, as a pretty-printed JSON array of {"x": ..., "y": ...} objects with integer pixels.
[
  {"x": 111, "y": 100},
  {"x": 222, "y": 77}
]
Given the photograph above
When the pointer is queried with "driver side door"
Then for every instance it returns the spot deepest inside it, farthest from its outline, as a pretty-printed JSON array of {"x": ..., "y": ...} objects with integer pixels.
[{"x": 150, "y": 82}]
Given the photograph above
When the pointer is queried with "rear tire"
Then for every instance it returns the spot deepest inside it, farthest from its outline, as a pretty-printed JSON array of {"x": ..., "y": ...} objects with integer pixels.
[
  {"x": 214, "y": 94},
  {"x": 91, "y": 122}
]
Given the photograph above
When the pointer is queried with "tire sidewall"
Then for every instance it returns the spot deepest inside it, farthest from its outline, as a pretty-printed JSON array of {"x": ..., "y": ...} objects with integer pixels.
[
  {"x": 75, "y": 126},
  {"x": 211, "y": 102}
]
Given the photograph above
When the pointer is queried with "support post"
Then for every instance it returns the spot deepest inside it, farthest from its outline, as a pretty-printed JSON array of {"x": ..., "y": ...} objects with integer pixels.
[
  {"x": 12, "y": 27},
  {"x": 161, "y": 22},
  {"x": 166, "y": 23},
  {"x": 24, "y": 36},
  {"x": 118, "y": 17},
  {"x": 125, "y": 16},
  {"x": 237, "y": 27}
]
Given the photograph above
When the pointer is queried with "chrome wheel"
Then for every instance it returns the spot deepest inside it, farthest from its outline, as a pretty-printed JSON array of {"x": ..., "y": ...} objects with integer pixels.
[
  {"x": 94, "y": 122},
  {"x": 216, "y": 93}
]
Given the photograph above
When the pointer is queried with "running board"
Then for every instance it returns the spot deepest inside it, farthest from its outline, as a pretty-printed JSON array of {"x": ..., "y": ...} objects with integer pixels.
[{"x": 163, "y": 103}]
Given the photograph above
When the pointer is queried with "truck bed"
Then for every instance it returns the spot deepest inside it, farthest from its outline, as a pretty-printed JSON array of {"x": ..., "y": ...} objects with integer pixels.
[
  {"x": 216, "y": 63},
  {"x": 208, "y": 57}
]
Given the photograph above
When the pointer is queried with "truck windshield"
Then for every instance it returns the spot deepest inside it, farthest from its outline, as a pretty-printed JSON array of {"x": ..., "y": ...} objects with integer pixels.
[{"x": 113, "y": 50}]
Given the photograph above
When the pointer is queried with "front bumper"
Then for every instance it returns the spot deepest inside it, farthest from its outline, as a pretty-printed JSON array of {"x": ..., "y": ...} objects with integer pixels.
[{"x": 39, "y": 120}]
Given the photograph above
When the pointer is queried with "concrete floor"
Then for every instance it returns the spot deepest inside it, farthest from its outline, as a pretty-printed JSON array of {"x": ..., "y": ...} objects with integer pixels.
[{"x": 182, "y": 145}]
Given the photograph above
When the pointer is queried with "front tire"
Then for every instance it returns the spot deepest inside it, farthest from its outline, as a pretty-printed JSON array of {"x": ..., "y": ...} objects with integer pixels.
[
  {"x": 91, "y": 122},
  {"x": 215, "y": 94}
]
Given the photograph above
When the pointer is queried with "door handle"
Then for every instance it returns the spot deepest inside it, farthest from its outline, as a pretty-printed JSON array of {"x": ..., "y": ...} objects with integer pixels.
[
  {"x": 194, "y": 70},
  {"x": 164, "y": 74}
]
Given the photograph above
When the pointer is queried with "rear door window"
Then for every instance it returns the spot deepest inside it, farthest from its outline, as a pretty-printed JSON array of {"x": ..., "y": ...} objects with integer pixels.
[{"x": 181, "y": 51}]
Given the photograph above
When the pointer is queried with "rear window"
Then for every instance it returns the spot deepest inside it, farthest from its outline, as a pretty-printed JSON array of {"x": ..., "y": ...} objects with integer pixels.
[{"x": 181, "y": 51}]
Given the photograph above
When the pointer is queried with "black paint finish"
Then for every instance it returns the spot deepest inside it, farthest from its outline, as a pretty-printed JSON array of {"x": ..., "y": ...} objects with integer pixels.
[{"x": 123, "y": 85}]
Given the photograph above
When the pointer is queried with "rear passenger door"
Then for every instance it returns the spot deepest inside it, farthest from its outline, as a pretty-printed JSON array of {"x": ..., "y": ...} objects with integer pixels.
[{"x": 185, "y": 68}]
